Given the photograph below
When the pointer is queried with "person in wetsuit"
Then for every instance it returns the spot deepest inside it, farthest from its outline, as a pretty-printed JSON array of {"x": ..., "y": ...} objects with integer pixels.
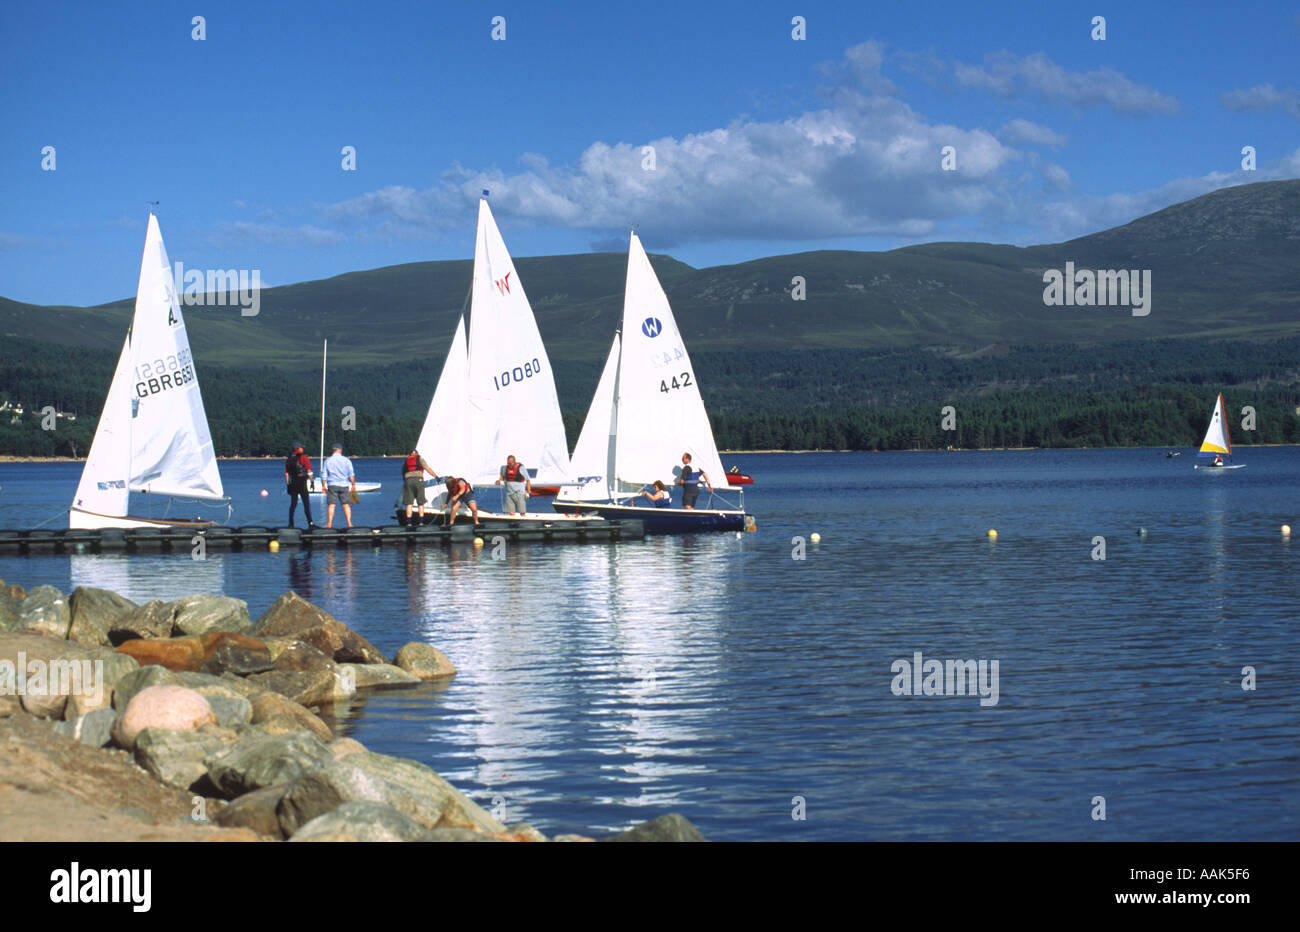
[{"x": 297, "y": 478}]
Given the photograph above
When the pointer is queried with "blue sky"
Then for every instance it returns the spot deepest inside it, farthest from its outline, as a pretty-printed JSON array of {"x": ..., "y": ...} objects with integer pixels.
[{"x": 763, "y": 145}]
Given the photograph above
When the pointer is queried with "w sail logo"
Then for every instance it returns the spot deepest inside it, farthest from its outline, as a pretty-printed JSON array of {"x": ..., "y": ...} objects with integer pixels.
[
  {"x": 503, "y": 284},
  {"x": 651, "y": 327}
]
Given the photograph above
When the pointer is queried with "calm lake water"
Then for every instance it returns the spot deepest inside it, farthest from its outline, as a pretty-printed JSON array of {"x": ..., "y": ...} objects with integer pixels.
[{"x": 719, "y": 677}]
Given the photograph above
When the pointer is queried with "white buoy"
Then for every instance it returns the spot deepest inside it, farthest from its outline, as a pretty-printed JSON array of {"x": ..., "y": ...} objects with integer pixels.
[
  {"x": 1286, "y": 530},
  {"x": 993, "y": 534},
  {"x": 265, "y": 493},
  {"x": 815, "y": 537}
]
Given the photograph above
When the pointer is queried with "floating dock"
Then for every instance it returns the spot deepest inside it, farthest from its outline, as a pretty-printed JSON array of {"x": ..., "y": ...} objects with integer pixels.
[{"x": 176, "y": 540}]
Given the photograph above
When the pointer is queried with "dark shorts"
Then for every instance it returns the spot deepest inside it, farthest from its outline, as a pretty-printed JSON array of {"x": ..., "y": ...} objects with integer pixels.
[
  {"x": 336, "y": 495},
  {"x": 689, "y": 494},
  {"x": 413, "y": 490}
]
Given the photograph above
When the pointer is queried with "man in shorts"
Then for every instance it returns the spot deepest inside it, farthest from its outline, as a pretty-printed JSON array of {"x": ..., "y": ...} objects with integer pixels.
[
  {"x": 460, "y": 492},
  {"x": 340, "y": 482},
  {"x": 413, "y": 471},
  {"x": 689, "y": 480},
  {"x": 518, "y": 486}
]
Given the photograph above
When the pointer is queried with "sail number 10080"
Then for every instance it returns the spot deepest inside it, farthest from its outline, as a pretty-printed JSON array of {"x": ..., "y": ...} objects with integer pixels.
[
  {"x": 665, "y": 385},
  {"x": 517, "y": 374}
]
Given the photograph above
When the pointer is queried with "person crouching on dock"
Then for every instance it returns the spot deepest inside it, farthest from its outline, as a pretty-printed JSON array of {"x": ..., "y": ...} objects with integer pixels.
[{"x": 460, "y": 493}]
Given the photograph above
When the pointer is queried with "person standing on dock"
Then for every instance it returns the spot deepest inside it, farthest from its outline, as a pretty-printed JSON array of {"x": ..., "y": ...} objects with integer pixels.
[
  {"x": 297, "y": 478},
  {"x": 340, "y": 483},
  {"x": 413, "y": 471},
  {"x": 460, "y": 492},
  {"x": 518, "y": 486},
  {"x": 689, "y": 480}
]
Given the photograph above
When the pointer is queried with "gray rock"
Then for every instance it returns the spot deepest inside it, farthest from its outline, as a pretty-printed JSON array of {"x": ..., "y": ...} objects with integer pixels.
[
  {"x": 374, "y": 675},
  {"x": 269, "y": 707},
  {"x": 670, "y": 827},
  {"x": 259, "y": 760},
  {"x": 109, "y": 667},
  {"x": 95, "y": 728},
  {"x": 230, "y": 709},
  {"x": 176, "y": 757},
  {"x": 292, "y": 615},
  {"x": 44, "y": 611},
  {"x": 240, "y": 659},
  {"x": 410, "y": 788},
  {"x": 140, "y": 679},
  {"x": 424, "y": 661},
  {"x": 305, "y": 687},
  {"x": 299, "y": 655},
  {"x": 93, "y": 613},
  {"x": 202, "y": 614},
  {"x": 362, "y": 821},
  {"x": 527, "y": 831},
  {"x": 52, "y": 670},
  {"x": 256, "y": 811},
  {"x": 151, "y": 620}
]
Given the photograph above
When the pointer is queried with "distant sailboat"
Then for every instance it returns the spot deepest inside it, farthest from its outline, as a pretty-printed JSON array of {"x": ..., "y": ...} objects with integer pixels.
[
  {"x": 319, "y": 488},
  {"x": 647, "y": 412},
  {"x": 1217, "y": 444},
  {"x": 153, "y": 433},
  {"x": 496, "y": 394}
]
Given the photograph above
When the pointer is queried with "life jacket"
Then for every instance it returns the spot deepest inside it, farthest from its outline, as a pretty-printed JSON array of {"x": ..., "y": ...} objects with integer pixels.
[
  {"x": 665, "y": 502},
  {"x": 513, "y": 473},
  {"x": 690, "y": 476},
  {"x": 412, "y": 464},
  {"x": 457, "y": 487},
  {"x": 295, "y": 467}
]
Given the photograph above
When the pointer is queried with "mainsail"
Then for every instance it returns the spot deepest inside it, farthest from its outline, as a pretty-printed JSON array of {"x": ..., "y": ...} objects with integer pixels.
[
  {"x": 591, "y": 457},
  {"x": 660, "y": 414},
  {"x": 1216, "y": 442},
  {"x": 511, "y": 391},
  {"x": 153, "y": 433}
]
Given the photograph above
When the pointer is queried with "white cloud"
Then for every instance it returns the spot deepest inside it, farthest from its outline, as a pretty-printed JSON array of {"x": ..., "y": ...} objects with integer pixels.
[
  {"x": 1037, "y": 75},
  {"x": 1023, "y": 132},
  {"x": 243, "y": 232},
  {"x": 1263, "y": 97}
]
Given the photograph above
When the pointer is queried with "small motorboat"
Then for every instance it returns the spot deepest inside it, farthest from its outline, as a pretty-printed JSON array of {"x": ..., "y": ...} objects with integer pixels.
[{"x": 736, "y": 477}]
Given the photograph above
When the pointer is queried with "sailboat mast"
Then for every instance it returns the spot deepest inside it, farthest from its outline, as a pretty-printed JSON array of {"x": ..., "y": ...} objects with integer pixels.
[
  {"x": 324, "y": 353},
  {"x": 612, "y": 459}
]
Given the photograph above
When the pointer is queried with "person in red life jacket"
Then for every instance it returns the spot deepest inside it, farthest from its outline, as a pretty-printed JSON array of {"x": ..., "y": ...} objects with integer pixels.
[
  {"x": 297, "y": 477},
  {"x": 413, "y": 470},
  {"x": 459, "y": 493},
  {"x": 518, "y": 486}
]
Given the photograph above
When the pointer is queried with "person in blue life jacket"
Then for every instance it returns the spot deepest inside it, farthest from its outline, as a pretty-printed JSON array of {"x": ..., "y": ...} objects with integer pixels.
[
  {"x": 689, "y": 480},
  {"x": 297, "y": 476},
  {"x": 660, "y": 495}
]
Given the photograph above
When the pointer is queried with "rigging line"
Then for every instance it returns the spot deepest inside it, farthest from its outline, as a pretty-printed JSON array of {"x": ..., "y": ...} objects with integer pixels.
[{"x": 58, "y": 514}]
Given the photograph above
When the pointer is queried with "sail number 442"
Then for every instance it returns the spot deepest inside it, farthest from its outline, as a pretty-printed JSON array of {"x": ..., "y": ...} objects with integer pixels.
[
  {"x": 685, "y": 380},
  {"x": 517, "y": 374}
]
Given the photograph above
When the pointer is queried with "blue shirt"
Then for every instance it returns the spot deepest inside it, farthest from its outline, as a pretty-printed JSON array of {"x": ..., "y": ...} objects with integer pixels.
[{"x": 337, "y": 470}]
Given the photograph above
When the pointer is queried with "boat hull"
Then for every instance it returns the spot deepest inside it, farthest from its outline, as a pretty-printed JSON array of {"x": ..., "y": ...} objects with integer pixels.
[
  {"x": 361, "y": 487},
  {"x": 739, "y": 478},
  {"x": 1219, "y": 468},
  {"x": 496, "y": 519},
  {"x": 89, "y": 521},
  {"x": 659, "y": 520}
]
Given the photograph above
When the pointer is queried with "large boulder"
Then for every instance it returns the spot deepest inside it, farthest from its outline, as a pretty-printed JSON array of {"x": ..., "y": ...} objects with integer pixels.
[
  {"x": 94, "y": 612},
  {"x": 293, "y": 615},
  {"x": 410, "y": 788},
  {"x": 44, "y": 611},
  {"x": 362, "y": 821},
  {"x": 231, "y": 709},
  {"x": 307, "y": 687},
  {"x": 255, "y": 810},
  {"x": 424, "y": 661},
  {"x": 670, "y": 827},
  {"x": 95, "y": 728},
  {"x": 299, "y": 655},
  {"x": 151, "y": 620},
  {"x": 231, "y": 652},
  {"x": 270, "y": 706},
  {"x": 42, "y": 672},
  {"x": 109, "y": 667},
  {"x": 176, "y": 757},
  {"x": 171, "y": 707},
  {"x": 375, "y": 675},
  {"x": 204, "y": 614},
  {"x": 125, "y": 689},
  {"x": 260, "y": 760},
  {"x": 175, "y": 654}
]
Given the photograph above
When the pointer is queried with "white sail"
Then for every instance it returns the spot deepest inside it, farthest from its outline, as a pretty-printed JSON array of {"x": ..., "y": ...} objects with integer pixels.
[
  {"x": 590, "y": 465},
  {"x": 171, "y": 450},
  {"x": 660, "y": 412},
  {"x": 102, "y": 490},
  {"x": 512, "y": 402},
  {"x": 1216, "y": 440},
  {"x": 444, "y": 439}
]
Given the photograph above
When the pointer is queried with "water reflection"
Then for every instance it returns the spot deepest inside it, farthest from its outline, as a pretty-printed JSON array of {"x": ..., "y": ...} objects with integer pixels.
[{"x": 142, "y": 577}]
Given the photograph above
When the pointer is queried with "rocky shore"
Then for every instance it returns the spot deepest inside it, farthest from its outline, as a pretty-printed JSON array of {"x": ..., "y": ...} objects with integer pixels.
[{"x": 188, "y": 720}]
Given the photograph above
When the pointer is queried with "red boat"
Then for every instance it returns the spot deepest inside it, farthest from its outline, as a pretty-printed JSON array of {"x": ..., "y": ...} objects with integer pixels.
[
  {"x": 547, "y": 491},
  {"x": 736, "y": 477}
]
